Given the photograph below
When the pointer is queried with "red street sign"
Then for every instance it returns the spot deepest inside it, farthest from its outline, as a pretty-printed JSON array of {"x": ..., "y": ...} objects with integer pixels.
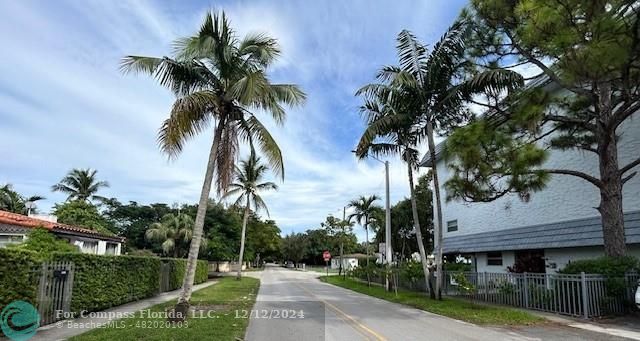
[{"x": 326, "y": 255}]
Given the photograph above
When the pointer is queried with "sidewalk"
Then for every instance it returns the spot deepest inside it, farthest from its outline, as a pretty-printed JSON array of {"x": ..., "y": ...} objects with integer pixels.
[
  {"x": 62, "y": 331},
  {"x": 626, "y": 327}
]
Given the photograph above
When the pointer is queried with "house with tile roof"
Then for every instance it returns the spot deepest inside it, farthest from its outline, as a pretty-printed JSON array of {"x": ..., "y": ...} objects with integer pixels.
[{"x": 15, "y": 228}]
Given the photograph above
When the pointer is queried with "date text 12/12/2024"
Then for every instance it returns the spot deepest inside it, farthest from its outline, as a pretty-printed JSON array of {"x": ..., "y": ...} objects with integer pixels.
[{"x": 269, "y": 314}]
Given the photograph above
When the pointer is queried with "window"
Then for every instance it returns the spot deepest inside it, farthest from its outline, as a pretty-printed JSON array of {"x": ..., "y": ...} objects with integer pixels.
[
  {"x": 89, "y": 247},
  {"x": 111, "y": 248},
  {"x": 494, "y": 258},
  {"x": 452, "y": 225},
  {"x": 7, "y": 239}
]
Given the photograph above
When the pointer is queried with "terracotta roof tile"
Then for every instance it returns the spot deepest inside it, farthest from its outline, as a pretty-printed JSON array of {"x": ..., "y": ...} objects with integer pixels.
[{"x": 10, "y": 218}]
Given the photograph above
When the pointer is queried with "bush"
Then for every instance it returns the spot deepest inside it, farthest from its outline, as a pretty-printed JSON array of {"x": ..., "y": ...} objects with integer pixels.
[
  {"x": 614, "y": 268},
  {"x": 19, "y": 275},
  {"x": 457, "y": 267},
  {"x": 178, "y": 267},
  {"x": 44, "y": 242},
  {"x": 608, "y": 266},
  {"x": 102, "y": 282}
]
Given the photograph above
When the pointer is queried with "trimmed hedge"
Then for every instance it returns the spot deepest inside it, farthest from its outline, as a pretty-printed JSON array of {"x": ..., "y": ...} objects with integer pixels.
[
  {"x": 19, "y": 275},
  {"x": 101, "y": 282},
  {"x": 178, "y": 267}
]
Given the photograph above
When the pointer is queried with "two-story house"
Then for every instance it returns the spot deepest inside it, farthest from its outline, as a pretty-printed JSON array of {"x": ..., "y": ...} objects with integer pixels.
[{"x": 557, "y": 225}]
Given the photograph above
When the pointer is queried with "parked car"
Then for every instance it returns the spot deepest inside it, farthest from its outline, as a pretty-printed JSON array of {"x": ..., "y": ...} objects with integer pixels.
[
  {"x": 290, "y": 264},
  {"x": 638, "y": 295}
]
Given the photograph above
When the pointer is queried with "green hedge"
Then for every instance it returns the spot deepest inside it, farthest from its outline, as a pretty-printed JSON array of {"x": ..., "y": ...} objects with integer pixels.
[
  {"x": 101, "y": 282},
  {"x": 178, "y": 267},
  {"x": 19, "y": 275}
]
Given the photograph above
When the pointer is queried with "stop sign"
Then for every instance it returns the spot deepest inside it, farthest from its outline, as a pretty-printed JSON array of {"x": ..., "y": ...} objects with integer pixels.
[{"x": 326, "y": 255}]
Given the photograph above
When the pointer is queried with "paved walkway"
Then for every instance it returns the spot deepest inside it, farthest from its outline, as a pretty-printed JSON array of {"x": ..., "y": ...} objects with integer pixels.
[{"x": 63, "y": 330}]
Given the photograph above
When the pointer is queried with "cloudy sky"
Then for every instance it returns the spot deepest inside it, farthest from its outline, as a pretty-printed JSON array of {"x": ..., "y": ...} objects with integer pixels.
[{"x": 64, "y": 104}]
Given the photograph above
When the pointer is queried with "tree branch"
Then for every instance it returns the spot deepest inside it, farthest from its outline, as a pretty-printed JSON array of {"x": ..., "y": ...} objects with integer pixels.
[
  {"x": 629, "y": 166},
  {"x": 596, "y": 182}
]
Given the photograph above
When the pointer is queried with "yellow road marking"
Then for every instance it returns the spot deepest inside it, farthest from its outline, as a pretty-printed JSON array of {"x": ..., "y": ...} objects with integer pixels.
[{"x": 345, "y": 315}]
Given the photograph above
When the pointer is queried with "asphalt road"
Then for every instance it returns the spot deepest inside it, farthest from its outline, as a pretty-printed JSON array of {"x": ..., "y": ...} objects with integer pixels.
[{"x": 295, "y": 305}]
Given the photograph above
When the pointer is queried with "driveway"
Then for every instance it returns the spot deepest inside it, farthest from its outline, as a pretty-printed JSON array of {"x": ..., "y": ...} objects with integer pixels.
[{"x": 295, "y": 305}]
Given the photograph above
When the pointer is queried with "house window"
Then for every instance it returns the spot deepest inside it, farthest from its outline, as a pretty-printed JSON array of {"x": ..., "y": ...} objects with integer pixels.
[
  {"x": 452, "y": 225},
  {"x": 111, "y": 249},
  {"x": 89, "y": 247},
  {"x": 7, "y": 239},
  {"x": 494, "y": 258}
]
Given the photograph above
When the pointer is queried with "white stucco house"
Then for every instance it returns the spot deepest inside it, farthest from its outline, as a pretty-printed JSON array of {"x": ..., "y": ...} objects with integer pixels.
[
  {"x": 558, "y": 224},
  {"x": 15, "y": 228},
  {"x": 349, "y": 261}
]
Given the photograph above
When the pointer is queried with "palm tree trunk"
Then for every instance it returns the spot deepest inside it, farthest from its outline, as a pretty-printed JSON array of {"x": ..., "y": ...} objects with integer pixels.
[
  {"x": 416, "y": 223},
  {"x": 242, "y": 235},
  {"x": 192, "y": 261},
  {"x": 438, "y": 225}
]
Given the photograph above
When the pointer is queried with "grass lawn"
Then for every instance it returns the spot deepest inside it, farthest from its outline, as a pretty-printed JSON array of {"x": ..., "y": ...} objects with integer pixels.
[
  {"x": 451, "y": 307},
  {"x": 217, "y": 306}
]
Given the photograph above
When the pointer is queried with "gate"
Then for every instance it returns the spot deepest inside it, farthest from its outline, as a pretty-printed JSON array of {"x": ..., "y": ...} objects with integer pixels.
[
  {"x": 54, "y": 291},
  {"x": 165, "y": 272}
]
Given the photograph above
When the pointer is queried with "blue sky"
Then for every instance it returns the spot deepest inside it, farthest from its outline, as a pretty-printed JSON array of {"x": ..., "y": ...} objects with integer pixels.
[{"x": 64, "y": 104}]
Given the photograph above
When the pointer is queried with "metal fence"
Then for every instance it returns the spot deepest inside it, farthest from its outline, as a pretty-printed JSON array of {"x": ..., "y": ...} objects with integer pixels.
[{"x": 583, "y": 295}]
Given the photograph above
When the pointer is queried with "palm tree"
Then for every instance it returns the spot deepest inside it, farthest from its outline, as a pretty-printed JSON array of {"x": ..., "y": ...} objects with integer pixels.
[
  {"x": 436, "y": 80},
  {"x": 391, "y": 131},
  {"x": 364, "y": 210},
  {"x": 218, "y": 79},
  {"x": 81, "y": 184},
  {"x": 173, "y": 231},
  {"x": 12, "y": 201},
  {"x": 248, "y": 183}
]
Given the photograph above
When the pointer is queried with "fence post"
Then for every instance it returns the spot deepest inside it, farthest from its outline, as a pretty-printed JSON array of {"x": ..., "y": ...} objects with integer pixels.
[
  {"x": 526, "y": 290},
  {"x": 585, "y": 298},
  {"x": 486, "y": 286}
]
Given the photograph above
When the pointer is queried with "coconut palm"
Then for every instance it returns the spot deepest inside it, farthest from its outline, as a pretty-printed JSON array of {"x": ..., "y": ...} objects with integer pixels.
[
  {"x": 391, "y": 130},
  {"x": 435, "y": 79},
  {"x": 364, "y": 211},
  {"x": 173, "y": 231},
  {"x": 247, "y": 185},
  {"x": 81, "y": 184},
  {"x": 219, "y": 80},
  {"x": 12, "y": 201}
]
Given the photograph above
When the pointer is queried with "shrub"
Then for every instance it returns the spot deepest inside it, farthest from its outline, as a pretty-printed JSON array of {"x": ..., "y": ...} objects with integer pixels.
[
  {"x": 177, "y": 270},
  {"x": 19, "y": 274},
  {"x": 457, "y": 267},
  {"x": 614, "y": 268},
  {"x": 44, "y": 242},
  {"x": 608, "y": 266},
  {"x": 102, "y": 282}
]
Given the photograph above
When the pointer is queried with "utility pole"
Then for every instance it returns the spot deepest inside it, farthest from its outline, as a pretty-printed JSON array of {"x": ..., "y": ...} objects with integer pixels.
[
  {"x": 387, "y": 223},
  {"x": 344, "y": 227}
]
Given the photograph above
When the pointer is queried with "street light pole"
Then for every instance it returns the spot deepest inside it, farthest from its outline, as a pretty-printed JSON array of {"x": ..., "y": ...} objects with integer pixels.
[
  {"x": 387, "y": 222},
  {"x": 388, "y": 254}
]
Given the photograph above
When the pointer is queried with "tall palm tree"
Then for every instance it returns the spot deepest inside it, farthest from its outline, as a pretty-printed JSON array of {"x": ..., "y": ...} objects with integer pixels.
[
  {"x": 173, "y": 231},
  {"x": 81, "y": 184},
  {"x": 391, "y": 130},
  {"x": 247, "y": 185},
  {"x": 218, "y": 79},
  {"x": 436, "y": 79},
  {"x": 12, "y": 201},
  {"x": 364, "y": 210}
]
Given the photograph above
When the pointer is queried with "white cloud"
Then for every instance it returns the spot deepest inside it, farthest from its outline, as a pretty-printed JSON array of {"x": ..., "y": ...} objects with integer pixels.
[{"x": 65, "y": 104}]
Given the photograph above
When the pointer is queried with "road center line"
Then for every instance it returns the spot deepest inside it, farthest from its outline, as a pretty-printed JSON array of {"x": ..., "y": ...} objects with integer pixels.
[{"x": 340, "y": 313}]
